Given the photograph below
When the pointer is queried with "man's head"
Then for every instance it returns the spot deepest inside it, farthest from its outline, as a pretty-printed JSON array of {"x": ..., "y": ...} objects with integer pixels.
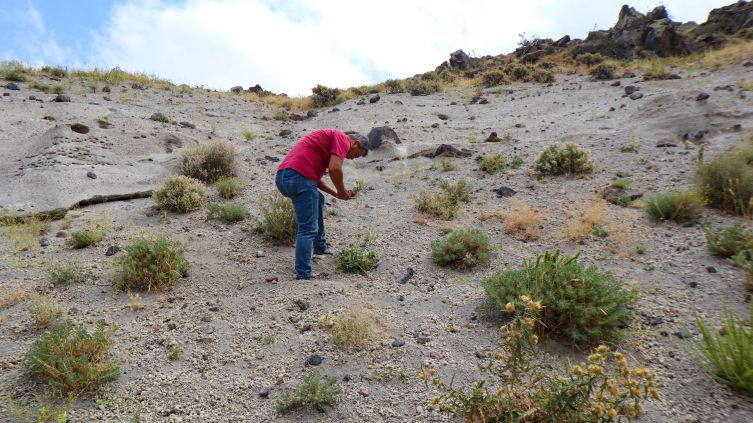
[{"x": 359, "y": 146}]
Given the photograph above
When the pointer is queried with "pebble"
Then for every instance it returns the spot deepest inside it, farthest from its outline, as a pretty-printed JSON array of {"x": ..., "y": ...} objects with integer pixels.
[
  {"x": 260, "y": 253},
  {"x": 702, "y": 96},
  {"x": 272, "y": 279},
  {"x": 364, "y": 392},
  {"x": 314, "y": 359},
  {"x": 112, "y": 250},
  {"x": 264, "y": 392},
  {"x": 480, "y": 354},
  {"x": 398, "y": 343},
  {"x": 653, "y": 321},
  {"x": 711, "y": 269},
  {"x": 422, "y": 339},
  {"x": 303, "y": 305},
  {"x": 683, "y": 333}
]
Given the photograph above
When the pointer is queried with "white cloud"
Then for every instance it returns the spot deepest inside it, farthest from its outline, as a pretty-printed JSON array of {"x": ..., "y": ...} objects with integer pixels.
[{"x": 31, "y": 42}]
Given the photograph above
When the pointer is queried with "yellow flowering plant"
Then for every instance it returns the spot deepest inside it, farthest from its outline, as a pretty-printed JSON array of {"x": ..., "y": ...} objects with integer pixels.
[{"x": 605, "y": 389}]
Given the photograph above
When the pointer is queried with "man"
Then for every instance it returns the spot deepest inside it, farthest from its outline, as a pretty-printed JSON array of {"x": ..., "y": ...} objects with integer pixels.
[{"x": 298, "y": 178}]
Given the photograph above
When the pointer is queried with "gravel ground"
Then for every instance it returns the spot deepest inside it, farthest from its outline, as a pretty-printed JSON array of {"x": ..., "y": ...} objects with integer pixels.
[{"x": 221, "y": 312}]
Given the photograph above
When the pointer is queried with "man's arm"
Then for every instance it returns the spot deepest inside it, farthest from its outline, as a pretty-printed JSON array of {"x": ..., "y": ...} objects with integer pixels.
[
  {"x": 336, "y": 175},
  {"x": 324, "y": 186}
]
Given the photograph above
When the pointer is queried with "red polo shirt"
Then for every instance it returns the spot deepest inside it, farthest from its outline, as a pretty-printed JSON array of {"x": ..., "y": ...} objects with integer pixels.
[{"x": 310, "y": 155}]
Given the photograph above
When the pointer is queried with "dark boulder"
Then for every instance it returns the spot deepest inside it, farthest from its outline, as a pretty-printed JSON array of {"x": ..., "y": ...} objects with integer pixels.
[
  {"x": 562, "y": 42},
  {"x": 414, "y": 92},
  {"x": 255, "y": 89},
  {"x": 459, "y": 60},
  {"x": 106, "y": 89},
  {"x": 80, "y": 128},
  {"x": 450, "y": 151},
  {"x": 62, "y": 98},
  {"x": 237, "y": 89},
  {"x": 493, "y": 138},
  {"x": 379, "y": 135},
  {"x": 374, "y": 99},
  {"x": 728, "y": 20},
  {"x": 12, "y": 86}
]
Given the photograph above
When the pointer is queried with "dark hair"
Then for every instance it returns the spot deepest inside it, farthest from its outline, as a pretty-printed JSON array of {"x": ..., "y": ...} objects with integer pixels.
[{"x": 363, "y": 142}]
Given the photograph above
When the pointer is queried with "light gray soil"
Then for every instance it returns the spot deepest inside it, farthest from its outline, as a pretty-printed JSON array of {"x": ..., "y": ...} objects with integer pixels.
[{"x": 44, "y": 166}]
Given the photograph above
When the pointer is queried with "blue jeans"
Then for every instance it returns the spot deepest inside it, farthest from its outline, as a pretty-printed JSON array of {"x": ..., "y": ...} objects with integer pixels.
[{"x": 308, "y": 204}]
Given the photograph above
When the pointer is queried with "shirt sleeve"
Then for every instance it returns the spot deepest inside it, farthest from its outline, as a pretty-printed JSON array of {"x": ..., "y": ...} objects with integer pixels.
[{"x": 340, "y": 145}]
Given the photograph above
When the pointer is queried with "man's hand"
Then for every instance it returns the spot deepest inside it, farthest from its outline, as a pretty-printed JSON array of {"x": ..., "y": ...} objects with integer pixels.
[{"x": 345, "y": 195}]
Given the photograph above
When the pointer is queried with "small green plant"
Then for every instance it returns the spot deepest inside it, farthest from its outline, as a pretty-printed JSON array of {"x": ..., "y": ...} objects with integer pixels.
[
  {"x": 629, "y": 148},
  {"x": 393, "y": 86},
  {"x": 600, "y": 232},
  {"x": 621, "y": 174},
  {"x": 728, "y": 355},
  {"x": 44, "y": 310},
  {"x": 624, "y": 201},
  {"x": 332, "y": 212},
  {"x": 152, "y": 264},
  {"x": 277, "y": 218},
  {"x": 649, "y": 267},
  {"x": 733, "y": 242},
  {"x": 59, "y": 71},
  {"x": 230, "y": 212},
  {"x": 174, "y": 352},
  {"x": 361, "y": 187},
  {"x": 15, "y": 76},
  {"x": 68, "y": 272},
  {"x": 726, "y": 180},
  {"x": 269, "y": 339},
  {"x": 640, "y": 248},
  {"x": 320, "y": 394},
  {"x": 180, "y": 194},
  {"x": 387, "y": 374},
  {"x": 249, "y": 135},
  {"x": 564, "y": 285},
  {"x": 515, "y": 387},
  {"x": 229, "y": 187},
  {"x": 621, "y": 183},
  {"x": 85, "y": 238},
  {"x": 281, "y": 115},
  {"x": 359, "y": 257},
  {"x": 210, "y": 162},
  {"x": 570, "y": 159},
  {"x": 679, "y": 205},
  {"x": 516, "y": 162},
  {"x": 464, "y": 248},
  {"x": 67, "y": 357},
  {"x": 460, "y": 192},
  {"x": 447, "y": 165},
  {"x": 492, "y": 164}
]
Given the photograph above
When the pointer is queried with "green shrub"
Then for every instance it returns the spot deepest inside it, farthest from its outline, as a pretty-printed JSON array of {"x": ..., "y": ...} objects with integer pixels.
[
  {"x": 59, "y": 71},
  {"x": 602, "y": 71},
  {"x": 570, "y": 159},
  {"x": 180, "y": 194},
  {"x": 735, "y": 243},
  {"x": 67, "y": 357},
  {"x": 679, "y": 205},
  {"x": 492, "y": 78},
  {"x": 447, "y": 165},
  {"x": 728, "y": 356},
  {"x": 15, "y": 76},
  {"x": 463, "y": 248},
  {"x": 230, "y": 212},
  {"x": 461, "y": 191},
  {"x": 726, "y": 181},
  {"x": 277, "y": 218},
  {"x": 85, "y": 238},
  {"x": 621, "y": 183},
  {"x": 447, "y": 76},
  {"x": 249, "y": 135},
  {"x": 324, "y": 96},
  {"x": 516, "y": 387},
  {"x": 444, "y": 204},
  {"x": 359, "y": 257},
  {"x": 600, "y": 232},
  {"x": 229, "y": 187},
  {"x": 426, "y": 87},
  {"x": 492, "y": 164},
  {"x": 58, "y": 89},
  {"x": 516, "y": 162},
  {"x": 583, "y": 304},
  {"x": 68, "y": 272},
  {"x": 544, "y": 76},
  {"x": 313, "y": 390},
  {"x": 589, "y": 59},
  {"x": 152, "y": 264},
  {"x": 393, "y": 86},
  {"x": 209, "y": 162}
]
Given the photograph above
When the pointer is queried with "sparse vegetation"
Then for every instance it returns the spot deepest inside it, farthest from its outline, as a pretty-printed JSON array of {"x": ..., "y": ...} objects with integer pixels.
[
  {"x": 602, "y": 71},
  {"x": 679, "y": 205},
  {"x": 230, "y": 212},
  {"x": 85, "y": 238},
  {"x": 320, "y": 394},
  {"x": 209, "y": 162},
  {"x": 621, "y": 183},
  {"x": 324, "y": 96},
  {"x": 727, "y": 353},
  {"x": 353, "y": 328},
  {"x": 447, "y": 165},
  {"x": 44, "y": 310},
  {"x": 734, "y": 243},
  {"x": 359, "y": 257},
  {"x": 520, "y": 216},
  {"x": 67, "y": 357},
  {"x": 180, "y": 194},
  {"x": 492, "y": 78},
  {"x": 492, "y": 164},
  {"x": 570, "y": 159},
  {"x": 249, "y": 135},
  {"x": 151, "y": 264},
  {"x": 463, "y": 248},
  {"x": 726, "y": 181},
  {"x": 277, "y": 218},
  {"x": 445, "y": 204},
  {"x": 68, "y": 272},
  {"x": 229, "y": 187},
  {"x": 564, "y": 285}
]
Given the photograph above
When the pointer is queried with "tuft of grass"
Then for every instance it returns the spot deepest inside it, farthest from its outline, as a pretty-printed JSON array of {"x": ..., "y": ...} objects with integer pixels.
[
  {"x": 447, "y": 165},
  {"x": 210, "y": 162},
  {"x": 58, "y": 89},
  {"x": 249, "y": 135},
  {"x": 229, "y": 187},
  {"x": 359, "y": 257},
  {"x": 581, "y": 225},
  {"x": 44, "y": 310},
  {"x": 621, "y": 183},
  {"x": 353, "y": 328},
  {"x": 733, "y": 242},
  {"x": 492, "y": 164},
  {"x": 11, "y": 296},
  {"x": 22, "y": 233},
  {"x": 269, "y": 339},
  {"x": 602, "y": 71},
  {"x": 68, "y": 272},
  {"x": 277, "y": 218},
  {"x": 600, "y": 232},
  {"x": 520, "y": 216},
  {"x": 85, "y": 238},
  {"x": 180, "y": 194},
  {"x": 728, "y": 356},
  {"x": 464, "y": 248},
  {"x": 321, "y": 394},
  {"x": 67, "y": 357},
  {"x": 679, "y": 205},
  {"x": 570, "y": 159},
  {"x": 726, "y": 181},
  {"x": 629, "y": 148},
  {"x": 230, "y": 212},
  {"x": 444, "y": 204},
  {"x": 516, "y": 162},
  {"x": 151, "y": 264}
]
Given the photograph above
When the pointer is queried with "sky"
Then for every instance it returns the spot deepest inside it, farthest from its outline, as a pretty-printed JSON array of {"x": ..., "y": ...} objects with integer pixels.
[{"x": 292, "y": 45}]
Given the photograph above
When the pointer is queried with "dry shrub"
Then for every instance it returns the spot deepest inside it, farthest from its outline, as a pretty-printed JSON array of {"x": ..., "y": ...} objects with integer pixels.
[
  {"x": 278, "y": 221},
  {"x": 180, "y": 194},
  {"x": 210, "y": 162},
  {"x": 11, "y": 296},
  {"x": 44, "y": 310},
  {"x": 494, "y": 214},
  {"x": 492, "y": 78},
  {"x": 589, "y": 59},
  {"x": 581, "y": 225},
  {"x": 356, "y": 327},
  {"x": 521, "y": 216},
  {"x": 393, "y": 86}
]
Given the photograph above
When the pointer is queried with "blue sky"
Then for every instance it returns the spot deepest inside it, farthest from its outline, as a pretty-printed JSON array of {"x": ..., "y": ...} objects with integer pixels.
[{"x": 291, "y": 45}]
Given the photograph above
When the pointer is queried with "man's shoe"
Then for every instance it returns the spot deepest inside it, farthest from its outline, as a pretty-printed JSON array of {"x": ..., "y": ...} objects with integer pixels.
[{"x": 323, "y": 251}]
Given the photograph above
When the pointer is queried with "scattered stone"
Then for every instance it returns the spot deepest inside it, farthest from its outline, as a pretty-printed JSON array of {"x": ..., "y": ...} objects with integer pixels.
[
  {"x": 32, "y": 98},
  {"x": 285, "y": 133},
  {"x": 612, "y": 109},
  {"x": 312, "y": 114},
  {"x": 435, "y": 125},
  {"x": 44, "y": 244},
  {"x": 748, "y": 64},
  {"x": 616, "y": 83},
  {"x": 80, "y": 128},
  {"x": 628, "y": 75},
  {"x": 408, "y": 275},
  {"x": 293, "y": 319},
  {"x": 631, "y": 89},
  {"x": 137, "y": 86},
  {"x": 214, "y": 309},
  {"x": 62, "y": 98},
  {"x": 112, "y": 250},
  {"x": 205, "y": 340},
  {"x": 264, "y": 392},
  {"x": 693, "y": 284},
  {"x": 91, "y": 174},
  {"x": 60, "y": 234},
  {"x": 414, "y": 92},
  {"x": 480, "y": 354},
  {"x": 272, "y": 279},
  {"x": 6, "y": 94},
  {"x": 666, "y": 144},
  {"x": 519, "y": 125},
  {"x": 724, "y": 88},
  {"x": 683, "y": 333},
  {"x": 379, "y": 135},
  {"x": 450, "y": 151},
  {"x": 106, "y": 89},
  {"x": 314, "y": 359},
  {"x": 398, "y": 343},
  {"x": 493, "y": 138},
  {"x": 297, "y": 116},
  {"x": 172, "y": 326},
  {"x": 303, "y": 305},
  {"x": 504, "y": 192},
  {"x": 374, "y": 99},
  {"x": 702, "y": 96},
  {"x": 12, "y": 86},
  {"x": 237, "y": 89},
  {"x": 436, "y": 355},
  {"x": 483, "y": 101},
  {"x": 364, "y": 392},
  {"x": 422, "y": 339},
  {"x": 653, "y": 321},
  {"x": 711, "y": 269},
  {"x": 442, "y": 116},
  {"x": 206, "y": 319},
  {"x": 272, "y": 159},
  {"x": 305, "y": 328},
  {"x": 636, "y": 96},
  {"x": 454, "y": 103},
  {"x": 360, "y": 102}
]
